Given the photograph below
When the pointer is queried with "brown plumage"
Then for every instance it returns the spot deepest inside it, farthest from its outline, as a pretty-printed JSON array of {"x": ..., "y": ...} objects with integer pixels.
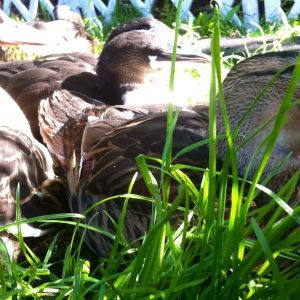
[
  {"x": 244, "y": 82},
  {"x": 103, "y": 162},
  {"x": 27, "y": 163},
  {"x": 96, "y": 150},
  {"x": 64, "y": 116},
  {"x": 134, "y": 66},
  {"x": 136, "y": 59},
  {"x": 28, "y": 83}
]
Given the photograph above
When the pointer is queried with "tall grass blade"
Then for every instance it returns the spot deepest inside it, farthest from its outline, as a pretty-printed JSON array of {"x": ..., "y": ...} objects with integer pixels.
[{"x": 266, "y": 248}]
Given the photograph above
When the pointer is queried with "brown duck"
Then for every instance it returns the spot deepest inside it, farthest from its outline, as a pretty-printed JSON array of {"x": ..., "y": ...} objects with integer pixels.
[
  {"x": 95, "y": 148},
  {"x": 27, "y": 163},
  {"x": 244, "y": 82},
  {"x": 106, "y": 143},
  {"x": 29, "y": 81}
]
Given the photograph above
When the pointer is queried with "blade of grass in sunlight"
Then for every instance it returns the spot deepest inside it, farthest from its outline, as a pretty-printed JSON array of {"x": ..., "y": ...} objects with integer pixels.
[
  {"x": 151, "y": 264},
  {"x": 167, "y": 151},
  {"x": 222, "y": 251},
  {"x": 80, "y": 273},
  {"x": 152, "y": 187},
  {"x": 6, "y": 268},
  {"x": 266, "y": 248},
  {"x": 30, "y": 256},
  {"x": 50, "y": 251},
  {"x": 210, "y": 213},
  {"x": 143, "y": 267},
  {"x": 112, "y": 265},
  {"x": 176, "y": 33}
]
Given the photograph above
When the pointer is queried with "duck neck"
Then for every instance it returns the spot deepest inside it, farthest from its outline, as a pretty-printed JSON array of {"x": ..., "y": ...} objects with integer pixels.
[
  {"x": 108, "y": 84},
  {"x": 120, "y": 73}
]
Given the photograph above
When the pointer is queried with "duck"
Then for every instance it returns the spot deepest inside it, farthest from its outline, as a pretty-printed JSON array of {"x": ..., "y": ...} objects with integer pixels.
[
  {"x": 28, "y": 82},
  {"x": 97, "y": 149},
  {"x": 57, "y": 123},
  {"x": 27, "y": 164},
  {"x": 246, "y": 81},
  {"x": 147, "y": 45},
  {"x": 135, "y": 61},
  {"x": 27, "y": 41}
]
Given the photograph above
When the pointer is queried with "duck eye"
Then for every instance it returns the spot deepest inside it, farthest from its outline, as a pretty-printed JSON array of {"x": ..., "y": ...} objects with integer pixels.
[{"x": 146, "y": 27}]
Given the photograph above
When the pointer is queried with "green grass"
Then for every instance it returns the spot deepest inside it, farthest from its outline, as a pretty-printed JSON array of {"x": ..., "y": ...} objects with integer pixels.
[{"x": 223, "y": 249}]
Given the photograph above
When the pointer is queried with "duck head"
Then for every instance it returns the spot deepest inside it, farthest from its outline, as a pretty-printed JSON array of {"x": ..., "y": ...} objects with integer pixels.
[
  {"x": 241, "y": 86},
  {"x": 137, "y": 57}
]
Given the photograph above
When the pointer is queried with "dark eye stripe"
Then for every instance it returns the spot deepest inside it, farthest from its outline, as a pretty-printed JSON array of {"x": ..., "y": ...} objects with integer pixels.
[{"x": 145, "y": 26}]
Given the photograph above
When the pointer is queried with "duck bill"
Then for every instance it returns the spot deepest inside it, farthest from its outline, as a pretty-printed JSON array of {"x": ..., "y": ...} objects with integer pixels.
[
  {"x": 17, "y": 42},
  {"x": 10, "y": 35},
  {"x": 196, "y": 58}
]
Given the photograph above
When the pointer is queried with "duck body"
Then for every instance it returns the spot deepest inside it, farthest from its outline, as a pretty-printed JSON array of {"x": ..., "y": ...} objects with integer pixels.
[
  {"x": 104, "y": 141},
  {"x": 23, "y": 160},
  {"x": 109, "y": 166},
  {"x": 65, "y": 131},
  {"x": 26, "y": 163},
  {"x": 29, "y": 82},
  {"x": 246, "y": 81}
]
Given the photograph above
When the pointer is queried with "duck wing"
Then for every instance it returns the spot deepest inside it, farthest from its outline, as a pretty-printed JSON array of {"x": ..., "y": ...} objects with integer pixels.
[
  {"x": 96, "y": 147},
  {"x": 108, "y": 165},
  {"x": 60, "y": 111},
  {"x": 63, "y": 118}
]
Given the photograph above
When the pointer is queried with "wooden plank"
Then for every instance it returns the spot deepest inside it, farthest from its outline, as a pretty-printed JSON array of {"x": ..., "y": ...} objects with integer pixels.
[
  {"x": 33, "y": 7},
  {"x": 22, "y": 10},
  {"x": 185, "y": 13},
  {"x": 48, "y": 6},
  {"x": 273, "y": 10},
  {"x": 295, "y": 10},
  {"x": 143, "y": 7},
  {"x": 251, "y": 14},
  {"x": 226, "y": 7}
]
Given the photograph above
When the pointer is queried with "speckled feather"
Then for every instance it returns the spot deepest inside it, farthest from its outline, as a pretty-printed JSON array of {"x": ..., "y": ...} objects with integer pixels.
[
  {"x": 39, "y": 79},
  {"x": 27, "y": 163},
  {"x": 97, "y": 150}
]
